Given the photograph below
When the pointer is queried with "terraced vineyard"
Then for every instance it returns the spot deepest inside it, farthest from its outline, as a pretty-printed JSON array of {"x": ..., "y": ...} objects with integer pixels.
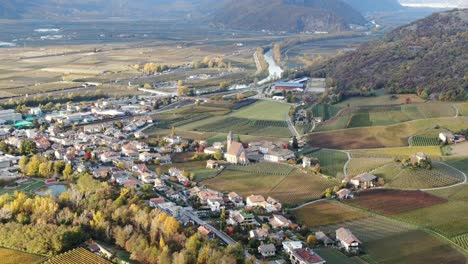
[
  {"x": 361, "y": 165},
  {"x": 331, "y": 161},
  {"x": 441, "y": 175},
  {"x": 264, "y": 168},
  {"x": 424, "y": 141},
  {"x": 461, "y": 240}
]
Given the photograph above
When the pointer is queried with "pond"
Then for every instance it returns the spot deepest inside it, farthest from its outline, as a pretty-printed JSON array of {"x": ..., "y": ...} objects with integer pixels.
[{"x": 55, "y": 189}]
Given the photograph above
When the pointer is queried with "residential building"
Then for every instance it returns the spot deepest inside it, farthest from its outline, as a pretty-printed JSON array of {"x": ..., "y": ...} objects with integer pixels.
[
  {"x": 347, "y": 240},
  {"x": 364, "y": 181},
  {"x": 267, "y": 250},
  {"x": 279, "y": 221},
  {"x": 305, "y": 256},
  {"x": 241, "y": 218},
  {"x": 324, "y": 239},
  {"x": 236, "y": 199},
  {"x": 215, "y": 204},
  {"x": 259, "y": 234},
  {"x": 344, "y": 194},
  {"x": 289, "y": 246}
]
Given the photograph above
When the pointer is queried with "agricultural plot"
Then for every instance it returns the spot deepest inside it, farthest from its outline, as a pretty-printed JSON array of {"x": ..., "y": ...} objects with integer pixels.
[
  {"x": 264, "y": 167},
  {"x": 379, "y": 100},
  {"x": 327, "y": 213},
  {"x": 246, "y": 126},
  {"x": 424, "y": 141},
  {"x": 244, "y": 183},
  {"x": 361, "y": 165},
  {"x": 324, "y": 110},
  {"x": 449, "y": 219},
  {"x": 457, "y": 193},
  {"x": 264, "y": 110},
  {"x": 300, "y": 187},
  {"x": 370, "y": 228},
  {"x": 415, "y": 247},
  {"x": 387, "y": 115},
  {"x": 382, "y": 136},
  {"x": 462, "y": 241},
  {"x": 332, "y": 255},
  {"x": 78, "y": 255},
  {"x": 391, "y": 202},
  {"x": 439, "y": 176},
  {"x": 331, "y": 162},
  {"x": 9, "y": 256},
  {"x": 388, "y": 172},
  {"x": 431, "y": 151}
]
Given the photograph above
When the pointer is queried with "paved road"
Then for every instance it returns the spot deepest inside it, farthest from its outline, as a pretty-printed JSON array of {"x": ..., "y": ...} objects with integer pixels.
[{"x": 291, "y": 127}]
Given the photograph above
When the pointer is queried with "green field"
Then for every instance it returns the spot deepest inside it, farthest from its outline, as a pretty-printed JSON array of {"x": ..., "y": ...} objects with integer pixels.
[
  {"x": 332, "y": 255},
  {"x": 460, "y": 163},
  {"x": 264, "y": 110},
  {"x": 244, "y": 126},
  {"x": 361, "y": 165},
  {"x": 386, "y": 115},
  {"x": 324, "y": 110},
  {"x": 27, "y": 186},
  {"x": 331, "y": 162},
  {"x": 10, "y": 256},
  {"x": 424, "y": 141},
  {"x": 381, "y": 99}
]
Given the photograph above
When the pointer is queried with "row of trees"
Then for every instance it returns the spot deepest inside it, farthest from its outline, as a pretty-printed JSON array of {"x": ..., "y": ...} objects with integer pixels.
[
  {"x": 38, "y": 166},
  {"x": 209, "y": 62},
  {"x": 152, "y": 68}
]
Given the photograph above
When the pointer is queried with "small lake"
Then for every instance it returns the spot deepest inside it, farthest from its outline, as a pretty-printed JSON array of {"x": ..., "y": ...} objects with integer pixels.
[{"x": 55, "y": 189}]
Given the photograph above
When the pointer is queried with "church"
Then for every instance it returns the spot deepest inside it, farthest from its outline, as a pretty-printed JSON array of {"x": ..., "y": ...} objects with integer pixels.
[{"x": 235, "y": 151}]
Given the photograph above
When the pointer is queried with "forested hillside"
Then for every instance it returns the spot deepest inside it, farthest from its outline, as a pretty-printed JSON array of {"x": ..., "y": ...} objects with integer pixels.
[{"x": 428, "y": 56}]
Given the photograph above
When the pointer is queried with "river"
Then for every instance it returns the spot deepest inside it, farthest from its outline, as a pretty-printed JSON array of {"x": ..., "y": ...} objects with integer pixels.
[{"x": 274, "y": 69}]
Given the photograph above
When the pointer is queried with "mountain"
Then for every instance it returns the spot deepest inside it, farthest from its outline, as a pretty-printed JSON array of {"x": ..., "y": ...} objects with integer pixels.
[
  {"x": 436, "y": 3},
  {"x": 288, "y": 15},
  {"x": 428, "y": 55},
  {"x": 106, "y": 8},
  {"x": 367, "y": 6}
]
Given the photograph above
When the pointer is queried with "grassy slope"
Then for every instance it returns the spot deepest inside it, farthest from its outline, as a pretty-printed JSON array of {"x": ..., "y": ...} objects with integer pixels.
[
  {"x": 327, "y": 213},
  {"x": 264, "y": 110},
  {"x": 9, "y": 256}
]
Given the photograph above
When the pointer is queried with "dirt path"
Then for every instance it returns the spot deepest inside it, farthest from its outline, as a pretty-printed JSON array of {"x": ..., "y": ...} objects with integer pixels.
[{"x": 309, "y": 203}]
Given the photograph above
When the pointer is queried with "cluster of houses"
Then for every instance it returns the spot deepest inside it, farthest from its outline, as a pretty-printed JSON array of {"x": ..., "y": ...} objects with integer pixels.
[
  {"x": 303, "y": 117},
  {"x": 298, "y": 253}
]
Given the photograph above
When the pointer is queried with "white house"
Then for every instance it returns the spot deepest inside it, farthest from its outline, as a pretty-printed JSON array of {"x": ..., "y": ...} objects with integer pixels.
[
  {"x": 289, "y": 246},
  {"x": 347, "y": 240},
  {"x": 215, "y": 204}
]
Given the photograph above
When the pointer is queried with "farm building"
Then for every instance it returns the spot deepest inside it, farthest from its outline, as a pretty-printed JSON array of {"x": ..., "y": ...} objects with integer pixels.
[
  {"x": 305, "y": 256},
  {"x": 212, "y": 164},
  {"x": 364, "y": 181},
  {"x": 347, "y": 240},
  {"x": 343, "y": 194},
  {"x": 449, "y": 138},
  {"x": 289, "y": 86},
  {"x": 324, "y": 239}
]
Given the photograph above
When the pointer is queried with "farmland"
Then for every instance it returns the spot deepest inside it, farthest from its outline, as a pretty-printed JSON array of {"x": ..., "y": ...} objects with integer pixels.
[
  {"x": 264, "y": 110},
  {"x": 246, "y": 126},
  {"x": 409, "y": 179},
  {"x": 324, "y": 110},
  {"x": 331, "y": 162},
  {"x": 361, "y": 165},
  {"x": 382, "y": 136},
  {"x": 386, "y": 115},
  {"x": 279, "y": 181},
  {"x": 436, "y": 218},
  {"x": 391, "y": 202},
  {"x": 78, "y": 255},
  {"x": 327, "y": 213},
  {"x": 379, "y": 100},
  {"x": 332, "y": 255},
  {"x": 431, "y": 151},
  {"x": 9, "y": 256}
]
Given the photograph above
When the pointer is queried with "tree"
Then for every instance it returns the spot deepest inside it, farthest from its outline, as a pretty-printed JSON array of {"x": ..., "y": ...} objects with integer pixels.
[
  {"x": 183, "y": 90},
  {"x": 180, "y": 83},
  {"x": 218, "y": 155},
  {"x": 45, "y": 169},
  {"x": 33, "y": 166},
  {"x": 295, "y": 144},
  {"x": 149, "y": 68},
  {"x": 222, "y": 222},
  {"x": 58, "y": 167},
  {"x": 27, "y": 147},
  {"x": 68, "y": 171},
  {"x": 311, "y": 240},
  {"x": 23, "y": 164}
]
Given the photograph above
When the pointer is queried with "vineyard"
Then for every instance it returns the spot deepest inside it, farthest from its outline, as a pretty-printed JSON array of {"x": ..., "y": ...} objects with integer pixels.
[
  {"x": 246, "y": 126},
  {"x": 391, "y": 202},
  {"x": 361, "y": 165},
  {"x": 331, "y": 161},
  {"x": 441, "y": 175},
  {"x": 359, "y": 120},
  {"x": 78, "y": 255},
  {"x": 327, "y": 213},
  {"x": 462, "y": 241},
  {"x": 299, "y": 187},
  {"x": 264, "y": 168},
  {"x": 325, "y": 111},
  {"x": 424, "y": 141},
  {"x": 388, "y": 172},
  {"x": 10, "y": 256},
  {"x": 370, "y": 228},
  {"x": 437, "y": 218}
]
